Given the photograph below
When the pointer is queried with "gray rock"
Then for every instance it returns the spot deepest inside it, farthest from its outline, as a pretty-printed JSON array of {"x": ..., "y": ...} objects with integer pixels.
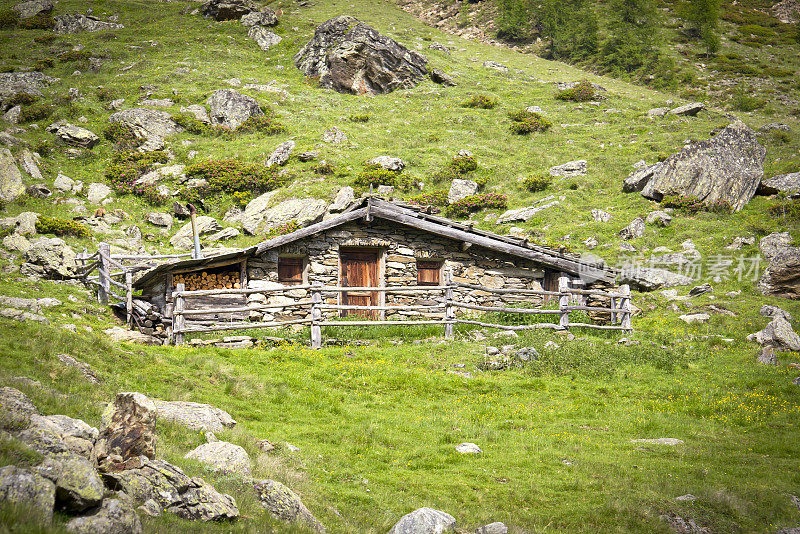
[
  {"x": 684, "y": 526},
  {"x": 281, "y": 154},
  {"x": 524, "y": 214},
  {"x": 223, "y": 235},
  {"x": 767, "y": 356},
  {"x": 44, "y": 441},
  {"x": 442, "y": 78},
  {"x": 345, "y": 198},
  {"x": 349, "y": 56},
  {"x": 16, "y": 408},
  {"x": 696, "y": 291},
  {"x": 657, "y": 112},
  {"x": 205, "y": 225},
  {"x": 30, "y": 83},
  {"x": 157, "y": 103},
  {"x": 778, "y": 334},
  {"x": 634, "y": 230},
  {"x": 782, "y": 183},
  {"x": 468, "y": 448},
  {"x": 738, "y": 242},
  {"x": 639, "y": 178},
  {"x": 695, "y": 318},
  {"x": 84, "y": 368},
  {"x": 390, "y": 163},
  {"x": 149, "y": 126},
  {"x": 686, "y": 498},
  {"x": 773, "y": 311},
  {"x": 489, "y": 64},
  {"x": 310, "y": 155},
  {"x": 50, "y": 258},
  {"x": 199, "y": 112},
  {"x": 173, "y": 491},
  {"x": 691, "y": 109},
  {"x": 650, "y": 279},
  {"x": 115, "y": 516},
  {"x": 66, "y": 427},
  {"x": 22, "y": 316},
  {"x": 11, "y": 185},
  {"x": 24, "y": 487},
  {"x": 492, "y": 528},
  {"x": 264, "y": 38},
  {"x": 150, "y": 508},
  {"x": 78, "y": 485},
  {"x": 123, "y": 335},
  {"x": 222, "y": 456},
  {"x": 425, "y": 521},
  {"x": 782, "y": 275},
  {"x": 159, "y": 219},
  {"x": 38, "y": 191},
  {"x": 128, "y": 431},
  {"x": 334, "y": 136},
  {"x": 600, "y": 215},
  {"x": 194, "y": 415},
  {"x": 569, "y": 169},
  {"x": 76, "y": 22},
  {"x": 659, "y": 218},
  {"x": 265, "y": 17},
  {"x": 230, "y": 108},
  {"x": 97, "y": 192},
  {"x": 64, "y": 183},
  {"x": 774, "y": 244},
  {"x": 728, "y": 167},
  {"x": 303, "y": 211},
  {"x": 31, "y": 8},
  {"x": 13, "y": 115},
  {"x": 221, "y": 10},
  {"x": 16, "y": 242},
  {"x": 285, "y": 505},
  {"x": 460, "y": 188}
]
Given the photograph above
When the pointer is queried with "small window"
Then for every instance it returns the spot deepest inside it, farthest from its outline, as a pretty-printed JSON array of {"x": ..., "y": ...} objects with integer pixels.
[
  {"x": 428, "y": 272},
  {"x": 290, "y": 271}
]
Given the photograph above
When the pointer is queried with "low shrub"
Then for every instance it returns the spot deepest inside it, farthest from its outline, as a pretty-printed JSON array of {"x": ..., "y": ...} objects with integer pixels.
[
  {"x": 8, "y": 18},
  {"x": 359, "y": 118},
  {"x": 42, "y": 64},
  {"x": 39, "y": 22},
  {"x": 242, "y": 198},
  {"x": 436, "y": 198},
  {"x": 265, "y": 124},
  {"x": 779, "y": 137},
  {"x": 104, "y": 94},
  {"x": 457, "y": 167},
  {"x": 691, "y": 204},
  {"x": 480, "y": 102},
  {"x": 74, "y": 55},
  {"x": 473, "y": 203},
  {"x": 194, "y": 126},
  {"x": 36, "y": 112},
  {"x": 122, "y": 136},
  {"x": 20, "y": 99},
  {"x": 744, "y": 101},
  {"x": 583, "y": 92},
  {"x": 45, "y": 39},
  {"x": 125, "y": 168},
  {"x": 62, "y": 227},
  {"x": 718, "y": 206},
  {"x": 323, "y": 168},
  {"x": 788, "y": 210},
  {"x": 525, "y": 122},
  {"x": 375, "y": 175},
  {"x": 230, "y": 175},
  {"x": 537, "y": 182},
  {"x": 282, "y": 229}
]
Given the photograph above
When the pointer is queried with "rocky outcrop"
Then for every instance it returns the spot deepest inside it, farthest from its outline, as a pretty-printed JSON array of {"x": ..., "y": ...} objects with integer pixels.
[
  {"x": 129, "y": 431},
  {"x": 78, "y": 487},
  {"x": 782, "y": 276},
  {"x": 194, "y": 415},
  {"x": 173, "y": 491},
  {"x": 26, "y": 488},
  {"x": 284, "y": 504},
  {"x": 727, "y": 167},
  {"x": 222, "y": 456},
  {"x": 11, "y": 184},
  {"x": 29, "y": 83},
  {"x": 777, "y": 334},
  {"x": 303, "y": 211},
  {"x": 775, "y": 243},
  {"x": 690, "y": 109},
  {"x": 149, "y": 126},
  {"x": 782, "y": 183},
  {"x": 264, "y": 17},
  {"x": 72, "y": 135},
  {"x": 634, "y": 230},
  {"x": 786, "y": 11},
  {"x": 460, "y": 188},
  {"x": 345, "y": 198},
  {"x": 650, "y": 279},
  {"x": 570, "y": 169},
  {"x": 425, "y": 521},
  {"x": 115, "y": 516},
  {"x": 230, "y": 108},
  {"x": 220, "y": 10},
  {"x": 16, "y": 408},
  {"x": 442, "y": 78},
  {"x": 523, "y": 214},
  {"x": 281, "y": 154},
  {"x": 183, "y": 238},
  {"x": 31, "y": 8},
  {"x": 264, "y": 38},
  {"x": 49, "y": 258},
  {"x": 349, "y": 56},
  {"x": 76, "y": 22}
]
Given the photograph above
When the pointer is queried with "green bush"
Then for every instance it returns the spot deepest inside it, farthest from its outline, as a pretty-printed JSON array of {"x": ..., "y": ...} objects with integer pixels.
[
  {"x": 788, "y": 210},
  {"x": 480, "y": 102},
  {"x": 436, "y": 198},
  {"x": 691, "y": 204},
  {"x": 375, "y": 175},
  {"x": 583, "y": 92},
  {"x": 194, "y": 126},
  {"x": 323, "y": 168},
  {"x": 74, "y": 55},
  {"x": 265, "y": 124},
  {"x": 45, "y": 39},
  {"x": 8, "y": 18},
  {"x": 42, "y": 64},
  {"x": 779, "y": 137},
  {"x": 744, "y": 101},
  {"x": 104, "y": 94},
  {"x": 359, "y": 118},
  {"x": 122, "y": 136},
  {"x": 230, "y": 175},
  {"x": 125, "y": 168},
  {"x": 457, "y": 167},
  {"x": 21, "y": 99},
  {"x": 472, "y": 203},
  {"x": 39, "y": 22},
  {"x": 62, "y": 227},
  {"x": 537, "y": 182},
  {"x": 525, "y": 122},
  {"x": 36, "y": 112}
]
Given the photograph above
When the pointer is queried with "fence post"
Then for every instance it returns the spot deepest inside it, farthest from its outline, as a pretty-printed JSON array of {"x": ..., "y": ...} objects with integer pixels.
[
  {"x": 316, "y": 317},
  {"x": 625, "y": 289},
  {"x": 178, "y": 320},
  {"x": 129, "y": 296},
  {"x": 614, "y": 315},
  {"x": 449, "y": 314},
  {"x": 104, "y": 272},
  {"x": 563, "y": 301}
]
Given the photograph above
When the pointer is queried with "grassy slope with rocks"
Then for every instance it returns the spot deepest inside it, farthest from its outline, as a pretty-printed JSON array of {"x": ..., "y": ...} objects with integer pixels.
[{"x": 377, "y": 425}]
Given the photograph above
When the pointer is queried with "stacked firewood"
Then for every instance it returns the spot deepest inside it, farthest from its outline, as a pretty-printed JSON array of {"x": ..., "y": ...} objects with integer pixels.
[{"x": 204, "y": 280}]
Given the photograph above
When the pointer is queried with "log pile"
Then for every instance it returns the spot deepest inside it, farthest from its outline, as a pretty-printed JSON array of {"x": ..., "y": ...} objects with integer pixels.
[
  {"x": 205, "y": 280},
  {"x": 148, "y": 320}
]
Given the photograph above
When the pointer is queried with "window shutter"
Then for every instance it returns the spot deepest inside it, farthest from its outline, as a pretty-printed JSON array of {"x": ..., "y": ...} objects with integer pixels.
[
  {"x": 428, "y": 272},
  {"x": 290, "y": 271}
]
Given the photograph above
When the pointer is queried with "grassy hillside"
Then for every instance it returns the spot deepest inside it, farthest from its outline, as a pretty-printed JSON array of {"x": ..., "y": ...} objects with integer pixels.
[{"x": 377, "y": 425}]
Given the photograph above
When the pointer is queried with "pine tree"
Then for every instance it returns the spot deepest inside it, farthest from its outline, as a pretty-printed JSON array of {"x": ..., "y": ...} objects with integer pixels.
[
  {"x": 703, "y": 15},
  {"x": 514, "y": 21},
  {"x": 571, "y": 27},
  {"x": 633, "y": 36}
]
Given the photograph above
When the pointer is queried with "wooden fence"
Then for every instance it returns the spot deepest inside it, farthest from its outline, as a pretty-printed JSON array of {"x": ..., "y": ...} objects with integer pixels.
[{"x": 443, "y": 312}]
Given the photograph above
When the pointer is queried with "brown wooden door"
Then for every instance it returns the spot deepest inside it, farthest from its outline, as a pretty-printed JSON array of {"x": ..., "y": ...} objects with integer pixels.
[{"x": 359, "y": 269}]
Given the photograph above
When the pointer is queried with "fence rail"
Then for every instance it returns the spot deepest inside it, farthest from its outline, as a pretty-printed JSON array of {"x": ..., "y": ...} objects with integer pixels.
[{"x": 441, "y": 313}]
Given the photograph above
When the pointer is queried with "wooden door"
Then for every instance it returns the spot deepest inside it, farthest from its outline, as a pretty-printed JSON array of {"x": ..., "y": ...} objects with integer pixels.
[{"x": 359, "y": 268}]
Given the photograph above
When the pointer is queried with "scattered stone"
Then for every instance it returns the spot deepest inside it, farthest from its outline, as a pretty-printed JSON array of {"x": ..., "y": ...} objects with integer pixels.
[
  {"x": 334, "y": 136},
  {"x": 24, "y": 487},
  {"x": 659, "y": 441},
  {"x": 16, "y": 408},
  {"x": 349, "y": 56},
  {"x": 659, "y": 218},
  {"x": 150, "y": 508},
  {"x": 695, "y": 318},
  {"x": 97, "y": 192},
  {"x": 281, "y": 154},
  {"x": 76, "y": 22},
  {"x": 684, "y": 526},
  {"x": 468, "y": 448},
  {"x": 222, "y": 456},
  {"x": 49, "y": 258},
  {"x": 115, "y": 516},
  {"x": 778, "y": 334},
  {"x": 782, "y": 183},
  {"x": 30, "y": 83},
  {"x": 183, "y": 238},
  {"x": 123, "y": 335},
  {"x": 650, "y": 279},
  {"x": 230, "y": 108},
  {"x": 11, "y": 185},
  {"x": 13, "y": 115},
  {"x": 224, "y": 235},
  {"x": 686, "y": 498},
  {"x": 345, "y": 198},
  {"x": 489, "y": 64},
  {"x": 159, "y": 219},
  {"x": 303, "y": 211},
  {"x": 194, "y": 415},
  {"x": 425, "y": 521},
  {"x": 38, "y": 191},
  {"x": 84, "y": 368},
  {"x": 767, "y": 356},
  {"x": 774, "y": 244},
  {"x": 129, "y": 431},
  {"x": 696, "y": 291},
  {"x": 265, "y": 17},
  {"x": 198, "y": 112},
  {"x": 285, "y": 505},
  {"x": 601, "y": 216},
  {"x": 311, "y": 155},
  {"x": 78, "y": 486},
  {"x": 149, "y": 126},
  {"x": 524, "y": 214},
  {"x": 773, "y": 311},
  {"x": 460, "y": 188},
  {"x": 264, "y": 38},
  {"x": 570, "y": 169},
  {"x": 739, "y": 242},
  {"x": 634, "y": 230},
  {"x": 442, "y": 78},
  {"x": 72, "y": 135},
  {"x": 221, "y": 10},
  {"x": 31, "y": 8},
  {"x": 657, "y": 112},
  {"x": 688, "y": 109},
  {"x": 492, "y": 528},
  {"x": 390, "y": 163}
]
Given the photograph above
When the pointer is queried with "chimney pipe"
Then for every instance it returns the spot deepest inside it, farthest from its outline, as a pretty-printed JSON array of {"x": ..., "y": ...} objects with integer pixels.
[{"x": 196, "y": 253}]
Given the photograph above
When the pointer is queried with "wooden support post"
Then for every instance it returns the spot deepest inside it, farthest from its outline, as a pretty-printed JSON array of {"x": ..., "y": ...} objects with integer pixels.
[
  {"x": 104, "y": 272},
  {"x": 449, "y": 312},
  {"x": 614, "y": 316},
  {"x": 129, "y": 296},
  {"x": 563, "y": 301},
  {"x": 178, "y": 321},
  {"x": 625, "y": 289},
  {"x": 316, "y": 317}
]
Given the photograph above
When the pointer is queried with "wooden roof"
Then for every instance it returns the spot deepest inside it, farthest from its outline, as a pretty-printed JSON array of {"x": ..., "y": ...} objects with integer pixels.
[{"x": 413, "y": 216}]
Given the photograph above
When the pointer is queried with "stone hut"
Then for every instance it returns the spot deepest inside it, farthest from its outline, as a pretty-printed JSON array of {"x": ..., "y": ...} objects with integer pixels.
[{"x": 376, "y": 243}]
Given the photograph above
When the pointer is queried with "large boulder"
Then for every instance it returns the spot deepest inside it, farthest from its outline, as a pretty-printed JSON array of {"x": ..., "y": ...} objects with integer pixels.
[
  {"x": 281, "y": 154},
  {"x": 523, "y": 214},
  {"x": 775, "y": 243},
  {"x": 345, "y": 198},
  {"x": 349, "y": 56},
  {"x": 777, "y": 334},
  {"x": 129, "y": 431},
  {"x": 650, "y": 278},
  {"x": 303, "y": 211},
  {"x": 425, "y": 521},
  {"x": 285, "y": 505},
  {"x": 264, "y": 38},
  {"x": 220, "y": 10},
  {"x": 29, "y": 83},
  {"x": 230, "y": 108},
  {"x": 184, "y": 239},
  {"x": 149, "y": 126},
  {"x": 11, "y": 185},
  {"x": 49, "y": 258},
  {"x": 31, "y": 8},
  {"x": 265, "y": 17},
  {"x": 76, "y": 22},
  {"x": 194, "y": 415},
  {"x": 634, "y": 230},
  {"x": 570, "y": 169},
  {"x": 691, "y": 109},
  {"x": 727, "y": 167},
  {"x": 78, "y": 486},
  {"x": 173, "y": 491},
  {"x": 24, "y": 487},
  {"x": 782, "y": 183},
  {"x": 460, "y": 189},
  {"x": 222, "y": 456},
  {"x": 116, "y": 515},
  {"x": 16, "y": 409},
  {"x": 782, "y": 276},
  {"x": 72, "y": 135},
  {"x": 97, "y": 192}
]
